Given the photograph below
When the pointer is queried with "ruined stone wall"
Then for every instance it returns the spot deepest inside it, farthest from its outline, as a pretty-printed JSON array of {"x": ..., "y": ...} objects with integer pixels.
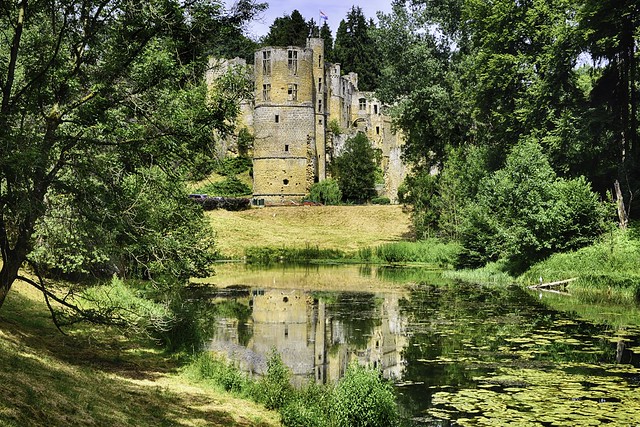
[
  {"x": 298, "y": 98},
  {"x": 284, "y": 122}
]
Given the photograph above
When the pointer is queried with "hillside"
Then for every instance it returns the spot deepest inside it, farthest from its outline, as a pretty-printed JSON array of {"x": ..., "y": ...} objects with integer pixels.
[
  {"x": 94, "y": 376},
  {"x": 347, "y": 228}
]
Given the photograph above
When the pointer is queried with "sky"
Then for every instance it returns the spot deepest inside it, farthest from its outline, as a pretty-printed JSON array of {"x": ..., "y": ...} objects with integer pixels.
[{"x": 336, "y": 10}]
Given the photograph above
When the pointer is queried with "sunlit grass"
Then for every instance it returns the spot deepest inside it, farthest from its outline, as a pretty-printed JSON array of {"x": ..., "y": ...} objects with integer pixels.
[
  {"x": 98, "y": 376},
  {"x": 343, "y": 228}
]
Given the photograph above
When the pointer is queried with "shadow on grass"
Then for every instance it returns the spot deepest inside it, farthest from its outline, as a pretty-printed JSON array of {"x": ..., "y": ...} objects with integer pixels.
[{"x": 93, "y": 377}]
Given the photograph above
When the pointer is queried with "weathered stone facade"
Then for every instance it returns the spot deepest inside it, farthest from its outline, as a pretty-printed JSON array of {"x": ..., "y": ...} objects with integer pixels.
[{"x": 299, "y": 100}]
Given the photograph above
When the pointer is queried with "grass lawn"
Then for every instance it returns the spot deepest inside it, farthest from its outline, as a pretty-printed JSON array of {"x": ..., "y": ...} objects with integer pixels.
[
  {"x": 95, "y": 376},
  {"x": 347, "y": 228}
]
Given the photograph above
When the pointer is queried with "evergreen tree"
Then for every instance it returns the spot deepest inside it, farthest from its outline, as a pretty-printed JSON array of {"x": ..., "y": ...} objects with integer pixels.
[
  {"x": 289, "y": 30},
  {"x": 355, "y": 49},
  {"x": 325, "y": 34}
]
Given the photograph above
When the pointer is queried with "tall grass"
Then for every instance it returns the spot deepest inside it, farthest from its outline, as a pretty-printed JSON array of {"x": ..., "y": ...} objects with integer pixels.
[
  {"x": 606, "y": 270},
  {"x": 271, "y": 255},
  {"x": 362, "y": 397},
  {"x": 491, "y": 274},
  {"x": 429, "y": 251}
]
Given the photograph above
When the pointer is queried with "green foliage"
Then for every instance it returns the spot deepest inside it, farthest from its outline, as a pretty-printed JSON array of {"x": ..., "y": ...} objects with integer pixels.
[
  {"x": 524, "y": 213},
  {"x": 229, "y": 187},
  {"x": 274, "y": 390},
  {"x": 327, "y": 36},
  {"x": 309, "y": 407},
  {"x": 420, "y": 191},
  {"x": 230, "y": 166},
  {"x": 103, "y": 107},
  {"x": 334, "y": 127},
  {"x": 268, "y": 255},
  {"x": 429, "y": 251},
  {"x": 288, "y": 30},
  {"x": 363, "y": 398},
  {"x": 381, "y": 201},
  {"x": 326, "y": 192},
  {"x": 209, "y": 368},
  {"x": 157, "y": 234},
  {"x": 355, "y": 169},
  {"x": 245, "y": 142},
  {"x": 355, "y": 50},
  {"x": 606, "y": 269}
]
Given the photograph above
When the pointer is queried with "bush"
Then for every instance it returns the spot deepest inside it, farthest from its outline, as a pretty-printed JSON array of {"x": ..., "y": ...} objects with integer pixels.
[
  {"x": 229, "y": 187},
  {"x": 309, "y": 408},
  {"x": 524, "y": 213},
  {"x": 220, "y": 372},
  {"x": 381, "y": 201},
  {"x": 326, "y": 192},
  {"x": 363, "y": 398},
  {"x": 274, "y": 390},
  {"x": 231, "y": 166}
]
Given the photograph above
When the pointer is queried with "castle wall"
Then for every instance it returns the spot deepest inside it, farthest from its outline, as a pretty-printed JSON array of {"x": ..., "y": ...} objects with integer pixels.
[
  {"x": 284, "y": 153},
  {"x": 298, "y": 99}
]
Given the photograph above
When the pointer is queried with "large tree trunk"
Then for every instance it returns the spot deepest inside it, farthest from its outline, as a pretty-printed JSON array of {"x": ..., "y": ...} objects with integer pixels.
[{"x": 8, "y": 274}]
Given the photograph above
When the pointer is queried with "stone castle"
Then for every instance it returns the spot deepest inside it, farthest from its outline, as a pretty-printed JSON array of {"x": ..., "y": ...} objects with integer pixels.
[{"x": 302, "y": 112}]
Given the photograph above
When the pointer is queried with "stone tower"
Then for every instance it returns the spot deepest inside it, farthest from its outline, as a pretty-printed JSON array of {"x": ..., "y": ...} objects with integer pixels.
[{"x": 285, "y": 154}]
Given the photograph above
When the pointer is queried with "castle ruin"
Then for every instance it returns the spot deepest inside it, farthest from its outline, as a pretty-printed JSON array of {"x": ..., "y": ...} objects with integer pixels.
[{"x": 302, "y": 112}]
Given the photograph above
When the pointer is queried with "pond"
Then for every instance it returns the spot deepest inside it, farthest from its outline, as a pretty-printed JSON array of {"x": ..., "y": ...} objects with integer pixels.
[{"x": 459, "y": 354}]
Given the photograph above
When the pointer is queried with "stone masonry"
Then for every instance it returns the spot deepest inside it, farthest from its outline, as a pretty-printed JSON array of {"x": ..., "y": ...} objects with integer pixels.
[{"x": 299, "y": 100}]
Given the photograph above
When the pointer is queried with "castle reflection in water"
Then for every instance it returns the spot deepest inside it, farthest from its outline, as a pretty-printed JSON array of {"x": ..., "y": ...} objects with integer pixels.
[{"x": 317, "y": 335}]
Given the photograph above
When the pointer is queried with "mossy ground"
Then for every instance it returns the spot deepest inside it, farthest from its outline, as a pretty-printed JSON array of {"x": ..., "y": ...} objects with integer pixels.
[{"x": 97, "y": 376}]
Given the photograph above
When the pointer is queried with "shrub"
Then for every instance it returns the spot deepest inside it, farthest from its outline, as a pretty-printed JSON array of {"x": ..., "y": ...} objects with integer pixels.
[
  {"x": 229, "y": 187},
  {"x": 524, "y": 213},
  {"x": 220, "y": 372},
  {"x": 309, "y": 408},
  {"x": 274, "y": 390},
  {"x": 363, "y": 398},
  {"x": 230, "y": 166},
  {"x": 326, "y": 192},
  {"x": 381, "y": 201}
]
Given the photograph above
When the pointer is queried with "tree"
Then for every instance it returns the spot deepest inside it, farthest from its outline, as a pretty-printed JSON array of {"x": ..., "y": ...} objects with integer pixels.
[
  {"x": 100, "y": 113},
  {"x": 326, "y": 192},
  {"x": 524, "y": 213},
  {"x": 355, "y": 50},
  {"x": 288, "y": 30},
  {"x": 611, "y": 37},
  {"x": 422, "y": 81},
  {"x": 325, "y": 34},
  {"x": 355, "y": 169}
]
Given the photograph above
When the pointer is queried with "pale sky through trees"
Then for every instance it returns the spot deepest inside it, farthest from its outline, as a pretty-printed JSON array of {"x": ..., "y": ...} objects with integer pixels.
[{"x": 336, "y": 10}]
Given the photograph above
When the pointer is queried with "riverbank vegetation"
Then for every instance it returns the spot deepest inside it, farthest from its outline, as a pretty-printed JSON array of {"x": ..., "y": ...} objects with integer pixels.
[
  {"x": 360, "y": 398},
  {"x": 101, "y": 375}
]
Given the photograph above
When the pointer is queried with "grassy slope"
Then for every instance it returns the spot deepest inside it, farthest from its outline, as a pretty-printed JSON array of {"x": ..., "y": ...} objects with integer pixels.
[
  {"x": 347, "y": 228},
  {"x": 96, "y": 377}
]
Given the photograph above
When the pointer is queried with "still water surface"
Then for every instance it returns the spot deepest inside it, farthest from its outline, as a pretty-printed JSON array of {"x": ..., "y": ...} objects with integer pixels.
[{"x": 459, "y": 354}]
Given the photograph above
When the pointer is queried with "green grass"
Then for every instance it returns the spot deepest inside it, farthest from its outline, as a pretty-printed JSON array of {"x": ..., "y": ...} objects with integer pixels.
[
  {"x": 361, "y": 397},
  {"x": 429, "y": 251},
  {"x": 490, "y": 274},
  {"x": 606, "y": 271},
  {"x": 99, "y": 376}
]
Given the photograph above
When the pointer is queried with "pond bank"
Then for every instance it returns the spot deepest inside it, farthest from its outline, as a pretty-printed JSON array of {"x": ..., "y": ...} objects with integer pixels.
[{"x": 96, "y": 376}]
